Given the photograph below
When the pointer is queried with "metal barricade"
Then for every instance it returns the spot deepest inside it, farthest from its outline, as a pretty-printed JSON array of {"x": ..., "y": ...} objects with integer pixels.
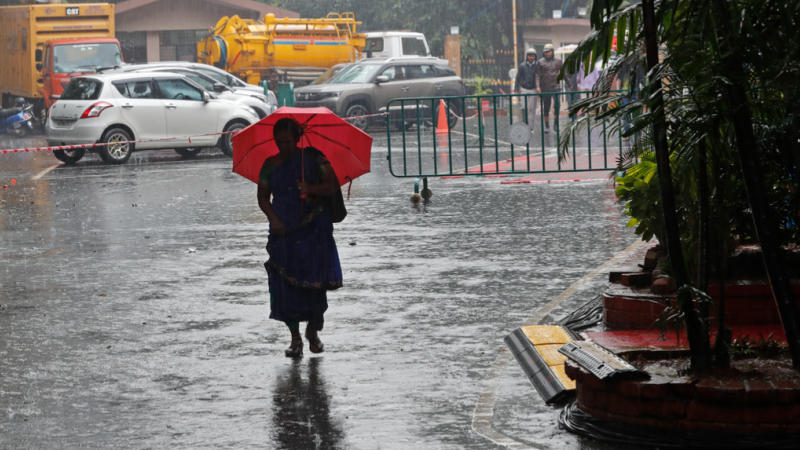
[{"x": 486, "y": 135}]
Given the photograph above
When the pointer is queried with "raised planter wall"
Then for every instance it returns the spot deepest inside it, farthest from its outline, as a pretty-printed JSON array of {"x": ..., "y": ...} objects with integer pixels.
[
  {"x": 682, "y": 404},
  {"x": 746, "y": 303}
]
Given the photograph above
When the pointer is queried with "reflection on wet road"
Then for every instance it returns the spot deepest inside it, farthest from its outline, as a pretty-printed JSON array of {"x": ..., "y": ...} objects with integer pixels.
[
  {"x": 133, "y": 309},
  {"x": 301, "y": 404}
]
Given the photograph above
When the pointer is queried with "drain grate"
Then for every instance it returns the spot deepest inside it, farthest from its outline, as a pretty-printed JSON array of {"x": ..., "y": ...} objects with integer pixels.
[{"x": 597, "y": 360}]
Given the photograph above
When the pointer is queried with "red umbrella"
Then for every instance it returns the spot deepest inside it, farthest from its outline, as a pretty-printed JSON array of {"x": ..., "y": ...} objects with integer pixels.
[{"x": 346, "y": 146}]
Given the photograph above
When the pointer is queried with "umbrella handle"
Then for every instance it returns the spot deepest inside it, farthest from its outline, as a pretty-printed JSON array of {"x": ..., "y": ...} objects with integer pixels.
[{"x": 303, "y": 196}]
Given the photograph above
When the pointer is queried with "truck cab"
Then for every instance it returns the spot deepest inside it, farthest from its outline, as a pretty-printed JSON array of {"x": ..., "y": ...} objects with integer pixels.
[
  {"x": 388, "y": 44},
  {"x": 63, "y": 59}
]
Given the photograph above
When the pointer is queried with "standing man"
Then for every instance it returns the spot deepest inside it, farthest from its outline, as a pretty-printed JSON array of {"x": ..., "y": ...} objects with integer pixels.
[
  {"x": 548, "y": 71},
  {"x": 526, "y": 84}
]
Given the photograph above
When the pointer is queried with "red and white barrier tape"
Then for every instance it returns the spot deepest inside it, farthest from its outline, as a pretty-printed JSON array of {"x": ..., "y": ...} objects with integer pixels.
[
  {"x": 365, "y": 116},
  {"x": 103, "y": 144},
  {"x": 137, "y": 141}
]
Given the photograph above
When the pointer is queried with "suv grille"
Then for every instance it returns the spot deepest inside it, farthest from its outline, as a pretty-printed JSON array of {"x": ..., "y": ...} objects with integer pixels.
[{"x": 311, "y": 96}]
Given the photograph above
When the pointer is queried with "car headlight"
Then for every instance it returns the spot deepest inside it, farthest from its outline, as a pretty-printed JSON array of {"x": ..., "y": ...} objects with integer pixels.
[{"x": 329, "y": 94}]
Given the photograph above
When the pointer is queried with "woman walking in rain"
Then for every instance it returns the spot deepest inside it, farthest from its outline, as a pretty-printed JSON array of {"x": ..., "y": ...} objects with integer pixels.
[{"x": 303, "y": 260}]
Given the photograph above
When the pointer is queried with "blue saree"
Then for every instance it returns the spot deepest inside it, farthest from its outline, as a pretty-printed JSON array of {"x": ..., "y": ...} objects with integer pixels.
[{"x": 303, "y": 264}]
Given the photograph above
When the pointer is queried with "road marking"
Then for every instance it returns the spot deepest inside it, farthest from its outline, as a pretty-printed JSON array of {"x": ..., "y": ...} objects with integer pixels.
[
  {"x": 483, "y": 415},
  {"x": 130, "y": 164},
  {"x": 46, "y": 171}
]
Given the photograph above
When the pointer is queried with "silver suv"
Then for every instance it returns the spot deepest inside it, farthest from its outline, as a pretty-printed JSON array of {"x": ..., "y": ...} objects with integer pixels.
[{"x": 367, "y": 86}]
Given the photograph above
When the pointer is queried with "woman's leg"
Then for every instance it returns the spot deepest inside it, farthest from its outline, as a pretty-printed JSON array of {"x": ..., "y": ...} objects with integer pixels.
[
  {"x": 296, "y": 347},
  {"x": 312, "y": 330}
]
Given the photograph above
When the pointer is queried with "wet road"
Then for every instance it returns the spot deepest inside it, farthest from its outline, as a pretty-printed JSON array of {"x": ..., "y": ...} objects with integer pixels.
[{"x": 133, "y": 309}]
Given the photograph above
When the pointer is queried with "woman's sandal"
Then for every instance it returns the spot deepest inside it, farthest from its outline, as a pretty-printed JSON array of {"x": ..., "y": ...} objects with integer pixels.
[
  {"x": 295, "y": 349},
  {"x": 314, "y": 344}
]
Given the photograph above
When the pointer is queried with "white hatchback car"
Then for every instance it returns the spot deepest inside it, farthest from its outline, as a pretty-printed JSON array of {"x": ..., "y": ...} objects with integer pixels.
[{"x": 142, "y": 111}]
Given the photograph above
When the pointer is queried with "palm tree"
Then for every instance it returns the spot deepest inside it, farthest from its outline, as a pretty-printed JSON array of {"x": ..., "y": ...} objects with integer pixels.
[{"x": 703, "y": 108}]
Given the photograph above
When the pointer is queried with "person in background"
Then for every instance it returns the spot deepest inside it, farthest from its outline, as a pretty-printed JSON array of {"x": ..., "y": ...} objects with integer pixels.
[
  {"x": 548, "y": 71},
  {"x": 526, "y": 84}
]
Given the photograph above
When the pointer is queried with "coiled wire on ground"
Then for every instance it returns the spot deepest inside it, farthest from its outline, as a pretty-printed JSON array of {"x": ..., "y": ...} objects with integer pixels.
[{"x": 587, "y": 315}]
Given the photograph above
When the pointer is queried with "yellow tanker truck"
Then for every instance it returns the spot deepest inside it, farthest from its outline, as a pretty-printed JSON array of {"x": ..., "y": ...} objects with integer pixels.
[
  {"x": 285, "y": 49},
  {"x": 45, "y": 45}
]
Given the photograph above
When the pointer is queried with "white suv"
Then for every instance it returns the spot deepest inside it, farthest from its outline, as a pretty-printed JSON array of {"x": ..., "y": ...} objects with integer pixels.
[{"x": 156, "y": 110}]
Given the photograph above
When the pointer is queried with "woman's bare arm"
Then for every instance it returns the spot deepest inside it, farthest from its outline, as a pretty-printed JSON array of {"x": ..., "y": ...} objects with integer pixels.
[{"x": 263, "y": 195}]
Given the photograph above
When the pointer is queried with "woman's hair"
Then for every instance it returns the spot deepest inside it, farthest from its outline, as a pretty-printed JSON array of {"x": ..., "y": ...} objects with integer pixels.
[{"x": 288, "y": 124}]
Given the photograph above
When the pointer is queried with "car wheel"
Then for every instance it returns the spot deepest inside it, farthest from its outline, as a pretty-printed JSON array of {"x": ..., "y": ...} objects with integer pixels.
[
  {"x": 356, "y": 110},
  {"x": 226, "y": 141},
  {"x": 69, "y": 156},
  {"x": 118, "y": 149},
  {"x": 190, "y": 152},
  {"x": 454, "y": 110}
]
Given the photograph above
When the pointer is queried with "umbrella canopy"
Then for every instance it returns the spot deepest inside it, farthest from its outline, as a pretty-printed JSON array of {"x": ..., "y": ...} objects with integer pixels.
[{"x": 346, "y": 146}]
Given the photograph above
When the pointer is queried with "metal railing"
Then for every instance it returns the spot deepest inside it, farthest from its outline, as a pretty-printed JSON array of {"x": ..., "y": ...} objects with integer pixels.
[{"x": 486, "y": 135}]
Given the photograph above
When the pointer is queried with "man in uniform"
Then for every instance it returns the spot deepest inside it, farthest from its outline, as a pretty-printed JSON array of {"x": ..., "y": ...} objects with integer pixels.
[
  {"x": 526, "y": 84},
  {"x": 548, "y": 70}
]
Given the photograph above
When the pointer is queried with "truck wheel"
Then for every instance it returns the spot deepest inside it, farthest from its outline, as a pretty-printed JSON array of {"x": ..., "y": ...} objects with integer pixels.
[
  {"x": 69, "y": 156},
  {"x": 118, "y": 149},
  {"x": 226, "y": 141},
  {"x": 190, "y": 152},
  {"x": 40, "y": 119},
  {"x": 355, "y": 110}
]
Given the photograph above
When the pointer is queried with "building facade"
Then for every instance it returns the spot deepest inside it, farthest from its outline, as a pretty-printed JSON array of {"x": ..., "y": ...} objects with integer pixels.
[{"x": 559, "y": 32}]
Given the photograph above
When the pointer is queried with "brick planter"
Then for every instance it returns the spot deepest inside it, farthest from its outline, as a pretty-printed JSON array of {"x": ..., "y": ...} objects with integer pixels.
[
  {"x": 756, "y": 399},
  {"x": 747, "y": 302}
]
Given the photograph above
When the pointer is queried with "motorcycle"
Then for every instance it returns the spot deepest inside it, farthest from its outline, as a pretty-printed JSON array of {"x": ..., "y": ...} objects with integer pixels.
[{"x": 18, "y": 120}]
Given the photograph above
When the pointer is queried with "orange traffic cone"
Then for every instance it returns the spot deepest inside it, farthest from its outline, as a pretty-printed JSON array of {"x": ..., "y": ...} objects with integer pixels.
[
  {"x": 441, "y": 121},
  {"x": 441, "y": 139}
]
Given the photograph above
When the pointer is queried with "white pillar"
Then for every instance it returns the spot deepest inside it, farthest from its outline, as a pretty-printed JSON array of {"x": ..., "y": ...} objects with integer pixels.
[{"x": 153, "y": 46}]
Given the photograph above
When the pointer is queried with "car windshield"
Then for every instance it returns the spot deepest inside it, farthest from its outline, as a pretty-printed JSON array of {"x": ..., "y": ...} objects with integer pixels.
[
  {"x": 332, "y": 72},
  {"x": 357, "y": 73},
  {"x": 223, "y": 77},
  {"x": 215, "y": 75},
  {"x": 85, "y": 57},
  {"x": 82, "y": 89},
  {"x": 327, "y": 75},
  {"x": 414, "y": 46},
  {"x": 199, "y": 79}
]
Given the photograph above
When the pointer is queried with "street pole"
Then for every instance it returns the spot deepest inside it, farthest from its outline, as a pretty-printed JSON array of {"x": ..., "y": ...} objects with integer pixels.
[{"x": 514, "y": 24}]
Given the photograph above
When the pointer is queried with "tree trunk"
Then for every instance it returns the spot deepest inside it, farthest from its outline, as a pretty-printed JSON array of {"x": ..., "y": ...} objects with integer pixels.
[
  {"x": 766, "y": 227},
  {"x": 702, "y": 232},
  {"x": 721, "y": 216},
  {"x": 696, "y": 332}
]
